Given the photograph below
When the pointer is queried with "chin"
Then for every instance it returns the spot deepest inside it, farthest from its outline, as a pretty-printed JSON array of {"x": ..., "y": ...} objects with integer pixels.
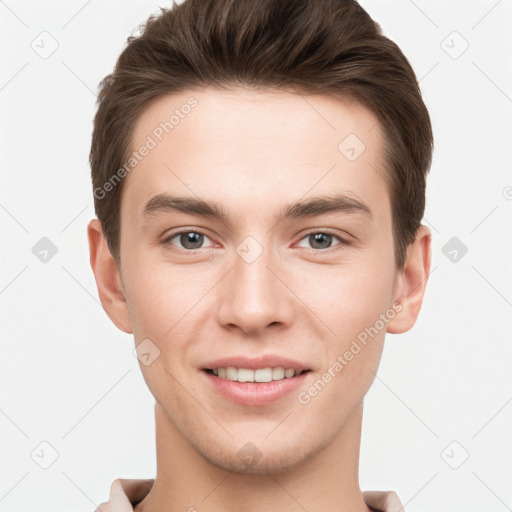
[
  {"x": 274, "y": 463},
  {"x": 255, "y": 458}
]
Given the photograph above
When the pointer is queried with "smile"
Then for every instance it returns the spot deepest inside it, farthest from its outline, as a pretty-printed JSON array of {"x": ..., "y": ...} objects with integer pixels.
[
  {"x": 255, "y": 387},
  {"x": 258, "y": 375}
]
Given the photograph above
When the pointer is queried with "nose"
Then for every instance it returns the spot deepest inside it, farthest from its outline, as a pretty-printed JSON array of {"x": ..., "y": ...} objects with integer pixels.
[{"x": 254, "y": 296}]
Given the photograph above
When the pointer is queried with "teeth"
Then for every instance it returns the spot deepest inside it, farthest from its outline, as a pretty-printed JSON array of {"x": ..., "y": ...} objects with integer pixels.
[
  {"x": 244, "y": 375},
  {"x": 259, "y": 375},
  {"x": 231, "y": 373},
  {"x": 263, "y": 375},
  {"x": 278, "y": 373}
]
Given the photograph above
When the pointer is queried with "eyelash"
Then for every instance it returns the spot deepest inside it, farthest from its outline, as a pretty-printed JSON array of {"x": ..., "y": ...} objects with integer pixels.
[{"x": 343, "y": 242}]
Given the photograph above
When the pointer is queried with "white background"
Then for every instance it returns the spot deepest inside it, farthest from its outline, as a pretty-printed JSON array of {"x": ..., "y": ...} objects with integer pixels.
[{"x": 69, "y": 377}]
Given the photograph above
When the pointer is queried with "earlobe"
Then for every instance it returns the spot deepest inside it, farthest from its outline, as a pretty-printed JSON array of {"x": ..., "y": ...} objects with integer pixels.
[
  {"x": 413, "y": 282},
  {"x": 108, "y": 278}
]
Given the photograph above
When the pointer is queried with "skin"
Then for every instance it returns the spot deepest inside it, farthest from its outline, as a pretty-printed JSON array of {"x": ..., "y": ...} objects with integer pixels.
[{"x": 254, "y": 152}]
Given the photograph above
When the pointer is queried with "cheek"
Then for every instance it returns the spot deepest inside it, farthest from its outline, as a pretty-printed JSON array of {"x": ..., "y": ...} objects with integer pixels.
[
  {"x": 351, "y": 305},
  {"x": 349, "y": 299},
  {"x": 162, "y": 299}
]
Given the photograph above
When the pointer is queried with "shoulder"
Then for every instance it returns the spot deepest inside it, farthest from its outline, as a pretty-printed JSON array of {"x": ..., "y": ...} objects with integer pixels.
[
  {"x": 124, "y": 493},
  {"x": 383, "y": 501}
]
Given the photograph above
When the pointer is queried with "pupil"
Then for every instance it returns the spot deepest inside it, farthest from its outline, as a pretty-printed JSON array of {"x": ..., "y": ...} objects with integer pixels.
[
  {"x": 318, "y": 238},
  {"x": 191, "y": 238}
]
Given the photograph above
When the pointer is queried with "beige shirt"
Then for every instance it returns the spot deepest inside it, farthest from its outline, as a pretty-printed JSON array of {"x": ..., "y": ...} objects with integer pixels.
[{"x": 126, "y": 493}]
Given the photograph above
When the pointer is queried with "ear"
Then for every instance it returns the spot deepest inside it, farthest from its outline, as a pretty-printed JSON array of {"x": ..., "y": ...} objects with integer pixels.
[
  {"x": 108, "y": 278},
  {"x": 412, "y": 281}
]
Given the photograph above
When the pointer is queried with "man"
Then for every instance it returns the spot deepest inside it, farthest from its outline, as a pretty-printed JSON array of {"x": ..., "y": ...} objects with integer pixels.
[{"x": 259, "y": 180}]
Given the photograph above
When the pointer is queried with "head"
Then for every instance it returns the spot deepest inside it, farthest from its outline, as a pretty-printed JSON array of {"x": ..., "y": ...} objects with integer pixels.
[{"x": 259, "y": 177}]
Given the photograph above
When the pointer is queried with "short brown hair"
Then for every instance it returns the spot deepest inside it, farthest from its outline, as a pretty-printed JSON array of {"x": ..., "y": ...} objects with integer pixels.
[{"x": 330, "y": 47}]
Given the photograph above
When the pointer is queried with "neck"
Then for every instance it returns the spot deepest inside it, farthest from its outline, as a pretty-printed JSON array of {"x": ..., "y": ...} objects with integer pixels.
[{"x": 186, "y": 481}]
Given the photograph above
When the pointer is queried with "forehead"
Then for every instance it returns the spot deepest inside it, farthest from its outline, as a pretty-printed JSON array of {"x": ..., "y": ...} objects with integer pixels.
[{"x": 253, "y": 148}]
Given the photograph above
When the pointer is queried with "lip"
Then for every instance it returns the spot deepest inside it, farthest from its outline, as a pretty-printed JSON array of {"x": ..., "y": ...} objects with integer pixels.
[
  {"x": 254, "y": 393},
  {"x": 253, "y": 363}
]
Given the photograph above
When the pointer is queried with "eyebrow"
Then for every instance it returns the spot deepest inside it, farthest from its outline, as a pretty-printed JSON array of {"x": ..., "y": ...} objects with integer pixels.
[{"x": 313, "y": 207}]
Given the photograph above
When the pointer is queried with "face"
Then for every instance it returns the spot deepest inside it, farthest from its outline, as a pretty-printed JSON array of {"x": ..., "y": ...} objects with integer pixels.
[{"x": 251, "y": 281}]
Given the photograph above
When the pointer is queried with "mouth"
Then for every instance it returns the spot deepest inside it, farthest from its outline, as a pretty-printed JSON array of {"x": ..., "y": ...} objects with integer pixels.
[
  {"x": 255, "y": 387},
  {"x": 259, "y": 375}
]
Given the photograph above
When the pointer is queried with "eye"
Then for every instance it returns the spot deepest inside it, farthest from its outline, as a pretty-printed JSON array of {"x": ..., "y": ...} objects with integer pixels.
[
  {"x": 192, "y": 240},
  {"x": 322, "y": 239},
  {"x": 189, "y": 240}
]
